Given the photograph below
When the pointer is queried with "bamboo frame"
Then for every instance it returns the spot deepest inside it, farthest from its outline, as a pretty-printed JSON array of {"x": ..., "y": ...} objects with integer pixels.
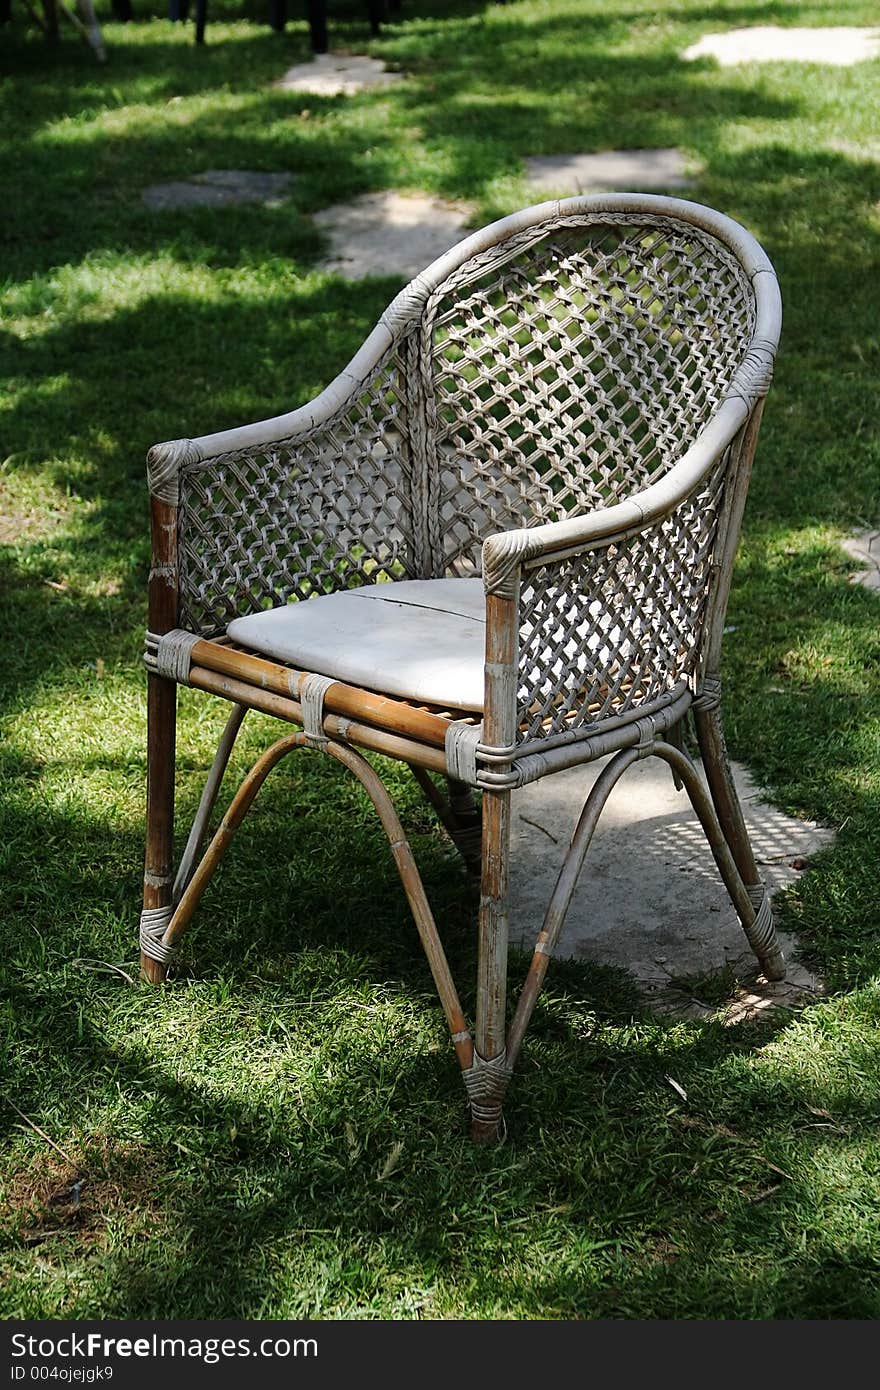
[
  {"x": 347, "y": 700},
  {"x": 400, "y": 848}
]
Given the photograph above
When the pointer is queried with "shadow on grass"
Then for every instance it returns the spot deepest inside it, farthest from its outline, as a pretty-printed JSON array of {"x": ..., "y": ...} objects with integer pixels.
[
  {"x": 344, "y": 1184},
  {"x": 97, "y": 154},
  {"x": 269, "y": 1088}
]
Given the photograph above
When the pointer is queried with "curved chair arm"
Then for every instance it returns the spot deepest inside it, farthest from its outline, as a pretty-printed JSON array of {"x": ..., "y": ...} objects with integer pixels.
[
  {"x": 571, "y": 645},
  {"x": 165, "y": 460}
]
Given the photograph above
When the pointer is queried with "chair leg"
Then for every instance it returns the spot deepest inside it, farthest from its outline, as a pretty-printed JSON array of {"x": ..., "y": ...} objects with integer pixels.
[
  {"x": 488, "y": 1078},
  {"x": 467, "y": 832},
  {"x": 749, "y": 897},
  {"x": 199, "y": 828},
  {"x": 158, "y": 868},
  {"x": 716, "y": 764},
  {"x": 176, "y": 919},
  {"x": 566, "y": 882},
  {"x": 459, "y": 816}
]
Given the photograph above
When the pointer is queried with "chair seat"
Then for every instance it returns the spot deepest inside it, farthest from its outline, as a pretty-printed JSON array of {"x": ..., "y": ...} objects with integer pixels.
[{"x": 420, "y": 639}]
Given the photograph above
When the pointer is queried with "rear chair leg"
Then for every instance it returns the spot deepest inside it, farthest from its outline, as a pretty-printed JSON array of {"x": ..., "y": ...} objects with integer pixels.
[
  {"x": 762, "y": 934},
  {"x": 459, "y": 815},
  {"x": 467, "y": 831},
  {"x": 757, "y": 922}
]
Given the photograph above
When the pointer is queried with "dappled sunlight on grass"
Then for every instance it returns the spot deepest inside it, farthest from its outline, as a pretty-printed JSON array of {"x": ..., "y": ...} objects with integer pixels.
[
  {"x": 107, "y": 282},
  {"x": 280, "y": 1132}
]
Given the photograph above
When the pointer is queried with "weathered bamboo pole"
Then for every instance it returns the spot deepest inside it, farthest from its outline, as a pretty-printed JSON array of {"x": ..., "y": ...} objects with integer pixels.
[
  {"x": 499, "y": 731},
  {"x": 340, "y": 698},
  {"x": 761, "y": 937},
  {"x": 400, "y": 848},
  {"x": 208, "y": 798},
  {"x": 416, "y": 896},
  {"x": 707, "y": 718},
  {"x": 235, "y": 814},
  {"x": 161, "y": 726},
  {"x": 458, "y": 815},
  {"x": 560, "y": 900},
  {"x": 376, "y": 740}
]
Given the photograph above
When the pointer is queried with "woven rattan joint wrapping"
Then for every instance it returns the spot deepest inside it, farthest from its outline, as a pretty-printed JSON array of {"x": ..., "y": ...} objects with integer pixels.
[
  {"x": 762, "y": 933},
  {"x": 311, "y": 694},
  {"x": 154, "y": 922},
  {"x": 486, "y": 1082}
]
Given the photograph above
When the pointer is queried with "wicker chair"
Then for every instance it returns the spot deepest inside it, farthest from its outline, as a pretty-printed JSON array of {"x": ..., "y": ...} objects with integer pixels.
[{"x": 510, "y": 526}]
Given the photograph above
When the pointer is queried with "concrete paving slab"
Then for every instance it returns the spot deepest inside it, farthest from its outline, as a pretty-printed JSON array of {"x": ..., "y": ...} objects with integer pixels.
[
  {"x": 650, "y": 898},
  {"x": 637, "y": 171},
  {"x": 865, "y": 546},
  {"x": 337, "y": 74},
  {"x": 390, "y": 233},
  {"x": 838, "y": 45},
  {"x": 216, "y": 188}
]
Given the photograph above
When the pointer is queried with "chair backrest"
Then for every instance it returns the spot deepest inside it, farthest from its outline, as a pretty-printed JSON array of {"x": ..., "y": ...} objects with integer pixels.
[
  {"x": 553, "y": 363},
  {"x": 572, "y": 365}
]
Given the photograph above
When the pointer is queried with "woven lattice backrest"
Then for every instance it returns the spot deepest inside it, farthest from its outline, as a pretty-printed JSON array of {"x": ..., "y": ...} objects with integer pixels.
[
  {"x": 326, "y": 509},
  {"x": 559, "y": 370},
  {"x": 568, "y": 367}
]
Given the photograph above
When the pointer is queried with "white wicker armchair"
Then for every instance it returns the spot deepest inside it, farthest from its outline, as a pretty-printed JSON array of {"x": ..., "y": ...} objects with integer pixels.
[{"x": 509, "y": 525}]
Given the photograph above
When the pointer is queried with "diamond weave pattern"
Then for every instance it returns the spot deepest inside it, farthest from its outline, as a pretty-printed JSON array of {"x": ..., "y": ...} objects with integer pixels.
[
  {"x": 607, "y": 632},
  {"x": 328, "y": 510},
  {"x": 574, "y": 373}
]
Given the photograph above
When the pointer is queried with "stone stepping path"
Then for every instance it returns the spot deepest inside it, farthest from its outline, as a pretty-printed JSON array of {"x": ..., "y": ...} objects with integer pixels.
[
  {"x": 390, "y": 233},
  {"x": 217, "y": 188},
  {"x": 865, "y": 546},
  {"x": 650, "y": 898},
  {"x": 838, "y": 46},
  {"x": 337, "y": 74},
  {"x": 624, "y": 170}
]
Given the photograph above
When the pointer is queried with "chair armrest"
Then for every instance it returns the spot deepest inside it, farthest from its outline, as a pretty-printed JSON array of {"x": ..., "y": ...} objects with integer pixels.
[{"x": 592, "y": 619}]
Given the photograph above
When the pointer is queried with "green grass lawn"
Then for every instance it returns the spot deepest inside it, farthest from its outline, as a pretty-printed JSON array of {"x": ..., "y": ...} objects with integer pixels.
[{"x": 281, "y": 1132}]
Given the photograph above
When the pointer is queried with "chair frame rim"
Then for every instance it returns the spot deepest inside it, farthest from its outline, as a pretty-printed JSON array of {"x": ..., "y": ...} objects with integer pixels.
[
  {"x": 409, "y": 303},
  {"x": 486, "y": 756}
]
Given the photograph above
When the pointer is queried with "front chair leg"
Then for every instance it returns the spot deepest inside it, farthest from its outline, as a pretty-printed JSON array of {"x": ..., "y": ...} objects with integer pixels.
[
  {"x": 158, "y": 868},
  {"x": 488, "y": 1077}
]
